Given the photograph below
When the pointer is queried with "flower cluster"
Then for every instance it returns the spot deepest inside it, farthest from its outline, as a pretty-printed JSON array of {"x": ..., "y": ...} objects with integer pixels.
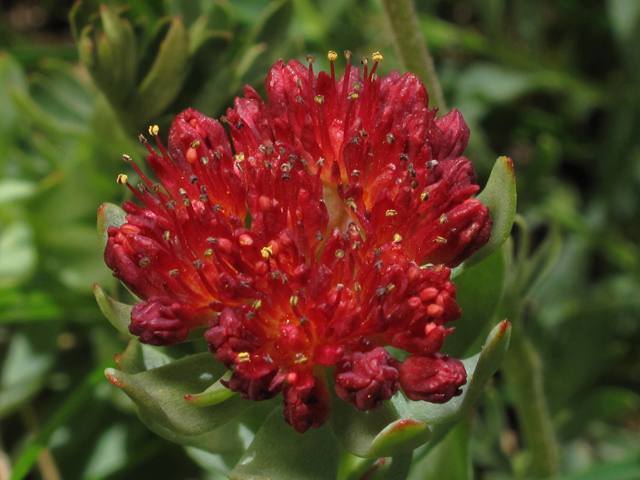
[{"x": 323, "y": 232}]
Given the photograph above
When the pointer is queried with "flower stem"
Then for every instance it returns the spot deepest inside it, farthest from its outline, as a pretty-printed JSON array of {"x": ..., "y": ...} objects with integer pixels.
[
  {"x": 413, "y": 47},
  {"x": 523, "y": 371}
]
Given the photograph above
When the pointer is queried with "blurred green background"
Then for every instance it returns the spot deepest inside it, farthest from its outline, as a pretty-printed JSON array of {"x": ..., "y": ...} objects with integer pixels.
[{"x": 553, "y": 84}]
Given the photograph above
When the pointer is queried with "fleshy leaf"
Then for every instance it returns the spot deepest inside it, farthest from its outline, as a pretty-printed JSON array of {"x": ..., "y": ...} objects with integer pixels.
[
  {"x": 109, "y": 215},
  {"x": 160, "y": 394},
  {"x": 480, "y": 368},
  {"x": 223, "y": 440},
  {"x": 213, "y": 395},
  {"x": 139, "y": 357},
  {"x": 118, "y": 314},
  {"x": 478, "y": 292},
  {"x": 378, "y": 433},
  {"x": 500, "y": 196},
  {"x": 278, "y": 452},
  {"x": 167, "y": 74}
]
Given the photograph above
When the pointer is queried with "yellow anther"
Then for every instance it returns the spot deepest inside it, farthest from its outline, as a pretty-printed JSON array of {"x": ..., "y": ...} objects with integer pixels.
[
  {"x": 243, "y": 357},
  {"x": 391, "y": 213},
  {"x": 377, "y": 57},
  {"x": 239, "y": 157},
  {"x": 397, "y": 238},
  {"x": 311, "y": 58},
  {"x": 257, "y": 304},
  {"x": 319, "y": 99},
  {"x": 340, "y": 253},
  {"x": 390, "y": 287},
  {"x": 154, "y": 130},
  {"x": 266, "y": 252},
  {"x": 208, "y": 252},
  {"x": 357, "y": 287},
  {"x": 293, "y": 300},
  {"x": 441, "y": 240},
  {"x": 195, "y": 144},
  {"x": 122, "y": 179},
  {"x": 350, "y": 202},
  {"x": 167, "y": 236},
  {"x": 443, "y": 218},
  {"x": 424, "y": 196},
  {"x": 348, "y": 54},
  {"x": 332, "y": 56},
  {"x": 353, "y": 96},
  {"x": 300, "y": 358}
]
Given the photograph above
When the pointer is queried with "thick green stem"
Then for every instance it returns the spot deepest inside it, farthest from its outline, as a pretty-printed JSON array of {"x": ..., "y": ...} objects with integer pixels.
[
  {"x": 413, "y": 48},
  {"x": 523, "y": 371}
]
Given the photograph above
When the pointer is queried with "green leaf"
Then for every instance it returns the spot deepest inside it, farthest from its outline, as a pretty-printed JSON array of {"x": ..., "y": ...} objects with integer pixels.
[
  {"x": 213, "y": 395},
  {"x": 117, "y": 60},
  {"x": 480, "y": 368},
  {"x": 139, "y": 357},
  {"x": 160, "y": 394},
  {"x": 118, "y": 314},
  {"x": 500, "y": 196},
  {"x": 18, "y": 256},
  {"x": 12, "y": 189},
  {"x": 224, "y": 440},
  {"x": 166, "y": 76},
  {"x": 109, "y": 215},
  {"x": 450, "y": 459},
  {"x": 624, "y": 470},
  {"x": 378, "y": 433},
  {"x": 478, "y": 292},
  {"x": 278, "y": 452},
  {"x": 29, "y": 358}
]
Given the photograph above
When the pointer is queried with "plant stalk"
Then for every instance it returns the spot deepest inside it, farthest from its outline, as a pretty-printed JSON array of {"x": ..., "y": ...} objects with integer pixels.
[
  {"x": 523, "y": 371},
  {"x": 413, "y": 48}
]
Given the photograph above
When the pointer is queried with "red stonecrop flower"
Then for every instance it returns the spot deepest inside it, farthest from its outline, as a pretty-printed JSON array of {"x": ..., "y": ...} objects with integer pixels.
[{"x": 322, "y": 233}]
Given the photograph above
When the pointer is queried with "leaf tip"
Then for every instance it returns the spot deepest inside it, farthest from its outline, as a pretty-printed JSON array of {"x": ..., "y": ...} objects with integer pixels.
[
  {"x": 112, "y": 376},
  {"x": 504, "y": 325}
]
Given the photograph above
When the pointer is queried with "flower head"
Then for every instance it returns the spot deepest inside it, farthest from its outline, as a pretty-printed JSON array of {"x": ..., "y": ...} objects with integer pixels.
[{"x": 323, "y": 232}]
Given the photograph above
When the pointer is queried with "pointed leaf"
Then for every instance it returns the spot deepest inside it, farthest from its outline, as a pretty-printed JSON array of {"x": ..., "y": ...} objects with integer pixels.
[
  {"x": 117, "y": 67},
  {"x": 139, "y": 357},
  {"x": 160, "y": 393},
  {"x": 478, "y": 292},
  {"x": 118, "y": 314},
  {"x": 166, "y": 76},
  {"x": 541, "y": 262},
  {"x": 278, "y": 452},
  {"x": 480, "y": 368},
  {"x": 213, "y": 395},
  {"x": 223, "y": 440},
  {"x": 378, "y": 433},
  {"x": 500, "y": 196},
  {"x": 109, "y": 215}
]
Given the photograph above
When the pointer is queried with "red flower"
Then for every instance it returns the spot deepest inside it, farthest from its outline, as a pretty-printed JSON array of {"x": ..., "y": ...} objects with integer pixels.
[{"x": 304, "y": 248}]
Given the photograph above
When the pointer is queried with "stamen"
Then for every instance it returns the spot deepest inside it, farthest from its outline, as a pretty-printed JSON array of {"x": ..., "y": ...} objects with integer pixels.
[
  {"x": 332, "y": 56},
  {"x": 154, "y": 130},
  {"x": 122, "y": 179}
]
